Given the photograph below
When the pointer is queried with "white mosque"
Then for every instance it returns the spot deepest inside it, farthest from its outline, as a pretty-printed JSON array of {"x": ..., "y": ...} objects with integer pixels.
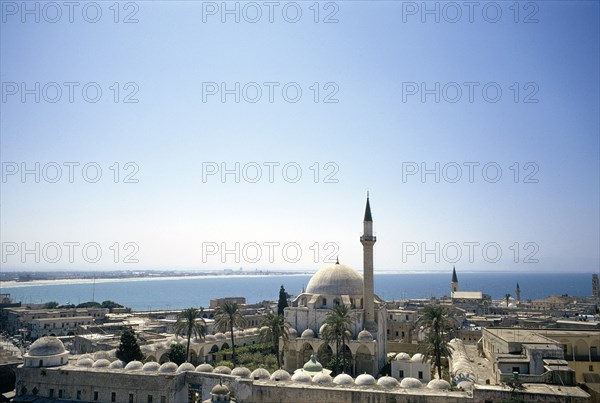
[{"x": 339, "y": 284}]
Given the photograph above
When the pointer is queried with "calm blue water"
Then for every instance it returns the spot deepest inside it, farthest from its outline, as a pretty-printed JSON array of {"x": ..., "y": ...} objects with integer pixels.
[{"x": 182, "y": 293}]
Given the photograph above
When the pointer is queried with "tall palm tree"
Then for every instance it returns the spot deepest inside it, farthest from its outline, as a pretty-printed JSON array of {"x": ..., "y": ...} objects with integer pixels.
[
  {"x": 273, "y": 327},
  {"x": 507, "y": 297},
  {"x": 190, "y": 322},
  {"x": 437, "y": 325},
  {"x": 336, "y": 331},
  {"x": 228, "y": 317}
]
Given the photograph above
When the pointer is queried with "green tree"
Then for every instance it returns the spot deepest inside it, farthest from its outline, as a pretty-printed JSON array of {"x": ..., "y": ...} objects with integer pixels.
[
  {"x": 190, "y": 322},
  {"x": 283, "y": 301},
  {"x": 507, "y": 297},
  {"x": 336, "y": 331},
  {"x": 177, "y": 354},
  {"x": 274, "y": 327},
  {"x": 437, "y": 325},
  {"x": 50, "y": 305},
  {"x": 110, "y": 305},
  {"x": 129, "y": 349},
  {"x": 89, "y": 304},
  {"x": 228, "y": 317}
]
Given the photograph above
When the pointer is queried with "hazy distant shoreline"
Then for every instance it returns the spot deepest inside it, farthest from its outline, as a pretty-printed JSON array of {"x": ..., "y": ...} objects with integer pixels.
[{"x": 33, "y": 283}]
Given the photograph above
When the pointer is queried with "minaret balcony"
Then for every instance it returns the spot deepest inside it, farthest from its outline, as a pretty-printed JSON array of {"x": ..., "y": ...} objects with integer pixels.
[{"x": 368, "y": 238}]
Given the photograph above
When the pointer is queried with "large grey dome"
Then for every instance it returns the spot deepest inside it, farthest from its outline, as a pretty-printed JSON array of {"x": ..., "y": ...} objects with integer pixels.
[
  {"x": 336, "y": 279},
  {"x": 46, "y": 346}
]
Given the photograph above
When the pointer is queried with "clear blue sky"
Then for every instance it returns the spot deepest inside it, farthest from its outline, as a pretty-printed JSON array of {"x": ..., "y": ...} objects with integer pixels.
[{"x": 371, "y": 135}]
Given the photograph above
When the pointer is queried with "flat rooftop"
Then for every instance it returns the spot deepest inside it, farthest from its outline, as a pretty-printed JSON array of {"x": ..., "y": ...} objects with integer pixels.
[{"x": 519, "y": 335}]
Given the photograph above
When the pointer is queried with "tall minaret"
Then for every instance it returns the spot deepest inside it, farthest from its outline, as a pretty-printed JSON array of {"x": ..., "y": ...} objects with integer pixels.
[
  {"x": 454, "y": 283},
  {"x": 518, "y": 294},
  {"x": 368, "y": 240}
]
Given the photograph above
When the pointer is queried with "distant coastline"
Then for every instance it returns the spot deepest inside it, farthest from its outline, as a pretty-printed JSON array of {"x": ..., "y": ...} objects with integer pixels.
[{"x": 150, "y": 277}]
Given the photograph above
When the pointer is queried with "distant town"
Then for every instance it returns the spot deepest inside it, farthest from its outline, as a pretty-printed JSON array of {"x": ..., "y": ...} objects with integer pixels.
[{"x": 27, "y": 276}]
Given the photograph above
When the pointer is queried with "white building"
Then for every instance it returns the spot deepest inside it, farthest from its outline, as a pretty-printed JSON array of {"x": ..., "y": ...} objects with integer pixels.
[
  {"x": 334, "y": 285},
  {"x": 405, "y": 366}
]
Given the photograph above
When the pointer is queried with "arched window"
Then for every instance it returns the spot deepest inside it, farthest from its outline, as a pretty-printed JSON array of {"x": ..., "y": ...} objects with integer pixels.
[{"x": 324, "y": 302}]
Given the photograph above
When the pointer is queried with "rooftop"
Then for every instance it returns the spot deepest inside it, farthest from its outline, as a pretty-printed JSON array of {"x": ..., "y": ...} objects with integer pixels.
[{"x": 519, "y": 335}]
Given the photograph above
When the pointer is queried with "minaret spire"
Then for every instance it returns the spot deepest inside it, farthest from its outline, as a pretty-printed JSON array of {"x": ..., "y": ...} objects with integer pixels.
[
  {"x": 368, "y": 240},
  {"x": 454, "y": 283},
  {"x": 368, "y": 216}
]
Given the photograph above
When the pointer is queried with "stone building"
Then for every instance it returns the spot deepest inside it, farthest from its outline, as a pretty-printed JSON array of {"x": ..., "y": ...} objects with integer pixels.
[{"x": 334, "y": 285}]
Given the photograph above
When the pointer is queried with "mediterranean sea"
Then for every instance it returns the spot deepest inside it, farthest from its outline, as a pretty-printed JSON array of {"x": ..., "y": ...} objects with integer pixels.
[{"x": 181, "y": 292}]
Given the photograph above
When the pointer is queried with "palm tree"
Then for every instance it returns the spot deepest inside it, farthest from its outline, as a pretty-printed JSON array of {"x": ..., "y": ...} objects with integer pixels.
[
  {"x": 437, "y": 325},
  {"x": 190, "y": 322},
  {"x": 337, "y": 323},
  {"x": 507, "y": 297},
  {"x": 228, "y": 317},
  {"x": 274, "y": 326}
]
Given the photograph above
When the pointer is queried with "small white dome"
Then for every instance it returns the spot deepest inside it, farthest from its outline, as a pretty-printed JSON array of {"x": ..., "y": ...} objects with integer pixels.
[
  {"x": 85, "y": 362},
  {"x": 242, "y": 372},
  {"x": 260, "y": 373},
  {"x": 220, "y": 336},
  {"x": 418, "y": 357},
  {"x": 465, "y": 385},
  {"x": 210, "y": 338},
  {"x": 280, "y": 375},
  {"x": 322, "y": 329},
  {"x": 204, "y": 368},
  {"x": 46, "y": 346},
  {"x": 438, "y": 384},
  {"x": 322, "y": 377},
  {"x": 101, "y": 354},
  {"x": 365, "y": 380},
  {"x": 151, "y": 366},
  {"x": 308, "y": 334},
  {"x": 101, "y": 363},
  {"x": 292, "y": 333},
  {"x": 343, "y": 379},
  {"x": 402, "y": 357},
  {"x": 301, "y": 377},
  {"x": 411, "y": 383},
  {"x": 118, "y": 364},
  {"x": 168, "y": 367},
  {"x": 387, "y": 382},
  {"x": 222, "y": 369},
  {"x": 364, "y": 335},
  {"x": 186, "y": 366},
  {"x": 134, "y": 366}
]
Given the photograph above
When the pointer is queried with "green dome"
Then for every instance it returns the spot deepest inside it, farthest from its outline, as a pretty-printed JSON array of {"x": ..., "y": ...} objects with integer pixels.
[{"x": 313, "y": 365}]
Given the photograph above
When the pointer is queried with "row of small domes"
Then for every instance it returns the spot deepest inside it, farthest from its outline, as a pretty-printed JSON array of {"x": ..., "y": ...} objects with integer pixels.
[
  {"x": 417, "y": 357},
  {"x": 364, "y": 335},
  {"x": 262, "y": 374}
]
